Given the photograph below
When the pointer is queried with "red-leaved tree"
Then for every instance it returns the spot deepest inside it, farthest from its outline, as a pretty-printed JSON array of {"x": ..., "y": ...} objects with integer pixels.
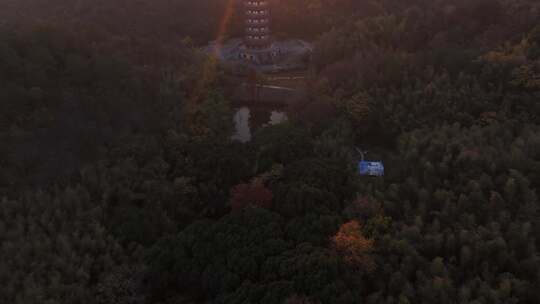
[{"x": 252, "y": 194}]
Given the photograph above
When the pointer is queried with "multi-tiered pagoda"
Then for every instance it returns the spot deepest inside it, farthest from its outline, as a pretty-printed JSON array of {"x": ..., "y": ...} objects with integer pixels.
[
  {"x": 257, "y": 24},
  {"x": 257, "y": 36},
  {"x": 257, "y": 49}
]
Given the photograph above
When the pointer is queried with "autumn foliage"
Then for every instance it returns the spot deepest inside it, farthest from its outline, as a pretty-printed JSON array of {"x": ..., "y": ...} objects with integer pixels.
[
  {"x": 251, "y": 194},
  {"x": 354, "y": 247},
  {"x": 364, "y": 208},
  {"x": 119, "y": 181}
]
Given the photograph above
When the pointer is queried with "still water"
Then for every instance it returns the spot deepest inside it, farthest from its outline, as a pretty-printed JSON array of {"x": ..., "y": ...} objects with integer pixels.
[{"x": 247, "y": 120}]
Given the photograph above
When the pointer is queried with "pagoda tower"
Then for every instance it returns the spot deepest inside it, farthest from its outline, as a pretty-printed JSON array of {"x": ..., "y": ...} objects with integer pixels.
[
  {"x": 258, "y": 46},
  {"x": 257, "y": 24},
  {"x": 257, "y": 51}
]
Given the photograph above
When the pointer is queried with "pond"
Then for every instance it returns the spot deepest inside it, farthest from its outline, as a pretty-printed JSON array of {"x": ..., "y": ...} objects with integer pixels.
[{"x": 248, "y": 120}]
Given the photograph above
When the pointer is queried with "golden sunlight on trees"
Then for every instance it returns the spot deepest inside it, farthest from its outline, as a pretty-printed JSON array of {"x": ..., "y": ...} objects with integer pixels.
[{"x": 354, "y": 247}]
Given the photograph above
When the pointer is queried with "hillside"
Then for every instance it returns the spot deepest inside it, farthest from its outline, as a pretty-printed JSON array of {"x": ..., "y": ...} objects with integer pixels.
[{"x": 119, "y": 181}]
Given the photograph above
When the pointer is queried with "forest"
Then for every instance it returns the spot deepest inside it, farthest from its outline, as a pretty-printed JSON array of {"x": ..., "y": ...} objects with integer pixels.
[{"x": 120, "y": 184}]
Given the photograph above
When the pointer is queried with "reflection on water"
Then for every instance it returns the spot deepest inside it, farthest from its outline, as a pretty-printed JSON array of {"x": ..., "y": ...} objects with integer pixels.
[{"x": 247, "y": 120}]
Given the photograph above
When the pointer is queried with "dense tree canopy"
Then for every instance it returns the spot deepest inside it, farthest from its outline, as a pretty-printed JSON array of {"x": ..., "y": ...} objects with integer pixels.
[{"x": 119, "y": 182}]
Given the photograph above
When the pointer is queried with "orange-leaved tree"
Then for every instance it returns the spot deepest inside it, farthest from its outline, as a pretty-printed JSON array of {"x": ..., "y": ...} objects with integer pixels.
[{"x": 355, "y": 249}]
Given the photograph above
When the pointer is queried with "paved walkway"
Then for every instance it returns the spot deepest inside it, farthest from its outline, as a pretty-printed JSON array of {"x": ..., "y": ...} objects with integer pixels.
[{"x": 268, "y": 95}]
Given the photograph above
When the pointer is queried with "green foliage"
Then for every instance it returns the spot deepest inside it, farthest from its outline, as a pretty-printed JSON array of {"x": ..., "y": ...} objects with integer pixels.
[
  {"x": 117, "y": 165},
  {"x": 54, "y": 248}
]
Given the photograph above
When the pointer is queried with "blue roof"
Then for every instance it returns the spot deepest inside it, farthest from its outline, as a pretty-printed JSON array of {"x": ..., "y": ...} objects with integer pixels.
[{"x": 369, "y": 168}]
